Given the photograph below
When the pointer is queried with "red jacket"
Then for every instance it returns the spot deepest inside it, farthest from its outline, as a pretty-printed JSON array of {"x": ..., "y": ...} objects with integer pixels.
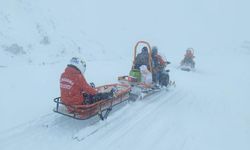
[
  {"x": 160, "y": 59},
  {"x": 72, "y": 85}
]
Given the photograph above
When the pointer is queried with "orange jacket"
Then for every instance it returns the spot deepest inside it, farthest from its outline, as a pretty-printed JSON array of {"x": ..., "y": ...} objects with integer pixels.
[
  {"x": 72, "y": 85},
  {"x": 160, "y": 59}
]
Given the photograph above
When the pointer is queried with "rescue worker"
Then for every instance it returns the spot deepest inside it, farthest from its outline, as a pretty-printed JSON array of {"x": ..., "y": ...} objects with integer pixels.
[
  {"x": 188, "y": 58},
  {"x": 142, "y": 58},
  {"x": 158, "y": 64},
  {"x": 74, "y": 86}
]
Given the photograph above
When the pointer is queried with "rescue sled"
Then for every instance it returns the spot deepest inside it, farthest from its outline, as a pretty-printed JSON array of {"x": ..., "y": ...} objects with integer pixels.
[
  {"x": 101, "y": 108},
  {"x": 134, "y": 78}
]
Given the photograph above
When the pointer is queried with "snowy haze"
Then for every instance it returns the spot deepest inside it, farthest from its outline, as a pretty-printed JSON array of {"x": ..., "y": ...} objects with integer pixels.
[{"x": 208, "y": 109}]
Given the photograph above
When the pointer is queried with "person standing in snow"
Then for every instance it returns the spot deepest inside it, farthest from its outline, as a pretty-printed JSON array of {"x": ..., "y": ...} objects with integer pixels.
[{"x": 74, "y": 86}]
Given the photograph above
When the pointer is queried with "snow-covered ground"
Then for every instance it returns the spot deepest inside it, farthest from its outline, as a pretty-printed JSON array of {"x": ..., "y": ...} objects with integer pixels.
[{"x": 208, "y": 109}]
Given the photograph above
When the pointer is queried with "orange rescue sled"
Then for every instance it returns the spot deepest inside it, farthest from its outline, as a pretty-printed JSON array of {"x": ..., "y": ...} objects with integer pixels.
[{"x": 100, "y": 108}]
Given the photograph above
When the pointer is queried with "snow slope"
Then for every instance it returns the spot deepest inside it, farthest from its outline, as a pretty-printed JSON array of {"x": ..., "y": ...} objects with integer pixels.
[{"x": 209, "y": 108}]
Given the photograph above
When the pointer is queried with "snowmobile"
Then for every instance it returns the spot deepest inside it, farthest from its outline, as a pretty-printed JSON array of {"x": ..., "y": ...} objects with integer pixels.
[
  {"x": 101, "y": 108},
  {"x": 140, "y": 88},
  {"x": 188, "y": 64}
]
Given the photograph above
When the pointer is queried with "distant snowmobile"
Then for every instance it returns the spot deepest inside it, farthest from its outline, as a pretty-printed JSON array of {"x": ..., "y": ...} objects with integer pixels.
[{"x": 188, "y": 64}]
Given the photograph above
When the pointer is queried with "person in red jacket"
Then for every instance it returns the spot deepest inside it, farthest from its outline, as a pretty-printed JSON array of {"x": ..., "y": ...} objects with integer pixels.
[
  {"x": 74, "y": 88},
  {"x": 158, "y": 63}
]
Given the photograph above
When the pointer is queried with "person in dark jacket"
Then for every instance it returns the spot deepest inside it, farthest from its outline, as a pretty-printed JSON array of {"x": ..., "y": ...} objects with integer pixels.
[{"x": 142, "y": 58}]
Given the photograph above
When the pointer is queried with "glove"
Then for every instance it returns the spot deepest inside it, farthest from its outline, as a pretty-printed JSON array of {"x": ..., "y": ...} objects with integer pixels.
[
  {"x": 92, "y": 84},
  {"x": 113, "y": 91}
]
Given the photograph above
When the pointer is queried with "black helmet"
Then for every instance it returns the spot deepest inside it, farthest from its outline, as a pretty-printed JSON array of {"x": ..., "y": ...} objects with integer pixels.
[
  {"x": 144, "y": 49},
  {"x": 154, "y": 50}
]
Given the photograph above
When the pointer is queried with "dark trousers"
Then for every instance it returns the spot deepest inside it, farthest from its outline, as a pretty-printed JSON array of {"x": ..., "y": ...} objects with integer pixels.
[{"x": 90, "y": 99}]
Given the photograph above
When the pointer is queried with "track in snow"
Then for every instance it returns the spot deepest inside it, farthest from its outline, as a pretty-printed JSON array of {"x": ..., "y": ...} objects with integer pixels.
[{"x": 54, "y": 125}]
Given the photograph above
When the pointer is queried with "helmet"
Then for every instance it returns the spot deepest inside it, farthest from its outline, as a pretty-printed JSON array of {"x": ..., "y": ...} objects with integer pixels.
[
  {"x": 189, "y": 50},
  {"x": 78, "y": 63},
  {"x": 154, "y": 50}
]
